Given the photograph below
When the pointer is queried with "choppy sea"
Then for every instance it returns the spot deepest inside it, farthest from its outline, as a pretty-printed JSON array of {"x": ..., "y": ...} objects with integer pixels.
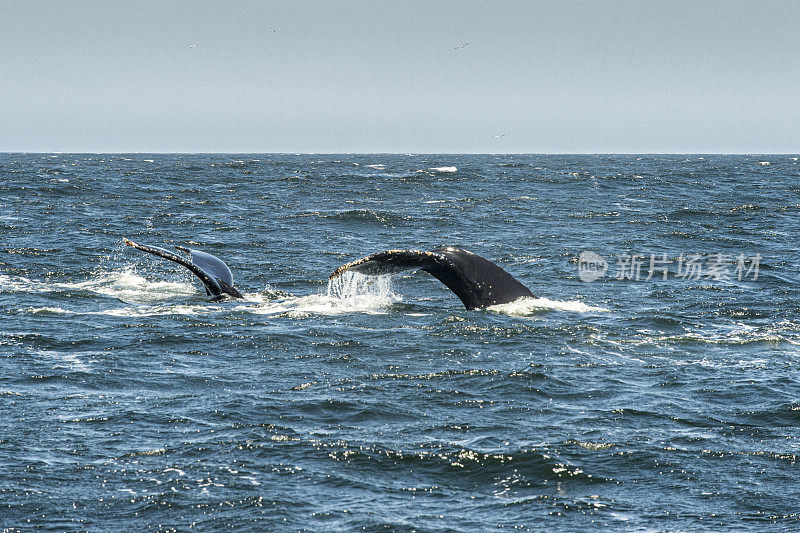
[{"x": 652, "y": 384}]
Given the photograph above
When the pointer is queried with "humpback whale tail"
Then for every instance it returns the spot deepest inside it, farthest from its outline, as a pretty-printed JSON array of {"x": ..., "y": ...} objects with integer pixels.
[
  {"x": 476, "y": 281},
  {"x": 214, "y": 274}
]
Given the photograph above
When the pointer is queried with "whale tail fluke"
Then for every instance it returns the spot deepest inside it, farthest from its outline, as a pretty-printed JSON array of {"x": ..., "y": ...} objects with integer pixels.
[
  {"x": 215, "y": 275},
  {"x": 476, "y": 281}
]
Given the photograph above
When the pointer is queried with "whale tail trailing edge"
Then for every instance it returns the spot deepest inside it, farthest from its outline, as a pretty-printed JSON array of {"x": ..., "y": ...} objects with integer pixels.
[
  {"x": 215, "y": 275},
  {"x": 476, "y": 281}
]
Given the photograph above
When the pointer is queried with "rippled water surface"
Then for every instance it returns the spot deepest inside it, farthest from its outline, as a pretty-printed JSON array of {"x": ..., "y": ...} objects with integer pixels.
[{"x": 130, "y": 400}]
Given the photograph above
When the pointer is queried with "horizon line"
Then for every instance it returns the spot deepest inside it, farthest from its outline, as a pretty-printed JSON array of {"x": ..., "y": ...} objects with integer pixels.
[{"x": 407, "y": 153}]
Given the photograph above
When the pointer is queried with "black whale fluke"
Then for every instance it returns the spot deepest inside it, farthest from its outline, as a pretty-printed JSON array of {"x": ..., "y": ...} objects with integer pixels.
[
  {"x": 214, "y": 274},
  {"x": 476, "y": 281}
]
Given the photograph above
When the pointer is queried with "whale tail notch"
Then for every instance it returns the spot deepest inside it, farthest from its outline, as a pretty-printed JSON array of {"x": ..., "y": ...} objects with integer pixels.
[
  {"x": 476, "y": 281},
  {"x": 215, "y": 275}
]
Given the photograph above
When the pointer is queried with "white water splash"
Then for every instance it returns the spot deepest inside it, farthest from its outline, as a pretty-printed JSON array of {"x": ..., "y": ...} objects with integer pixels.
[
  {"x": 348, "y": 293},
  {"x": 123, "y": 284},
  {"x": 144, "y": 297},
  {"x": 130, "y": 311},
  {"x": 529, "y": 306},
  {"x": 157, "y": 310},
  {"x": 444, "y": 169},
  {"x": 16, "y": 284},
  {"x": 46, "y": 311},
  {"x": 128, "y": 286}
]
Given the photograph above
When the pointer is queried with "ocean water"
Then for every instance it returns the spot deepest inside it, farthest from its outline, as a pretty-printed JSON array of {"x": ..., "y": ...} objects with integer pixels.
[{"x": 129, "y": 400}]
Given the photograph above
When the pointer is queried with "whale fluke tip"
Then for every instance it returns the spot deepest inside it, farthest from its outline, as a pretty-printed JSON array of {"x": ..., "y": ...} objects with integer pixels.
[{"x": 214, "y": 274}]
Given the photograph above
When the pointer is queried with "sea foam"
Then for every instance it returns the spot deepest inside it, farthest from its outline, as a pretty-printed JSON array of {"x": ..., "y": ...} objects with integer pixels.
[
  {"x": 349, "y": 293},
  {"x": 528, "y": 306}
]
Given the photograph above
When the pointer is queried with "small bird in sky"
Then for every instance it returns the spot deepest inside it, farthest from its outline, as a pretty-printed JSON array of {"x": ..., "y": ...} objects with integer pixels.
[
  {"x": 499, "y": 136},
  {"x": 461, "y": 46},
  {"x": 272, "y": 31},
  {"x": 192, "y": 46}
]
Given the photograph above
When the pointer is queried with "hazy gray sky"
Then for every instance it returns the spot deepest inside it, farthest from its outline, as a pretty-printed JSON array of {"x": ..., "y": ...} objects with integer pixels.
[{"x": 379, "y": 76}]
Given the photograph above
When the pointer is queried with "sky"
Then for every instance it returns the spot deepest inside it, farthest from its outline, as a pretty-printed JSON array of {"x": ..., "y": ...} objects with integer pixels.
[{"x": 400, "y": 76}]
